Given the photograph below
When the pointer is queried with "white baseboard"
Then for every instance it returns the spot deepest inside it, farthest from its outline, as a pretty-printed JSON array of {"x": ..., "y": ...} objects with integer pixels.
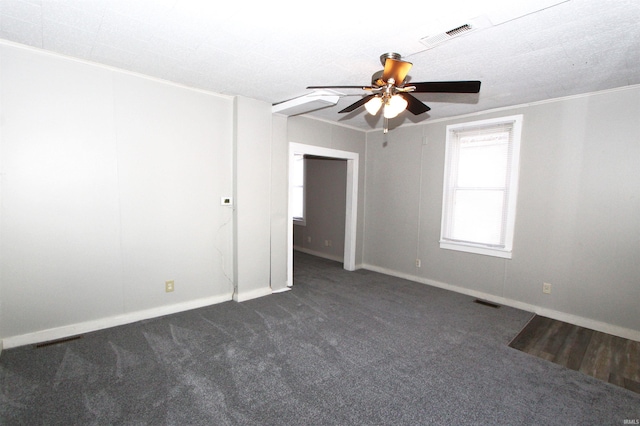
[
  {"x": 319, "y": 254},
  {"x": 252, "y": 294},
  {"x": 100, "y": 324},
  {"x": 626, "y": 333},
  {"x": 326, "y": 256}
]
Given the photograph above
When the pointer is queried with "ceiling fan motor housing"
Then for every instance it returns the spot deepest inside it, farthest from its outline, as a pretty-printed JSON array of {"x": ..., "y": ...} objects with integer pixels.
[
  {"x": 376, "y": 78},
  {"x": 390, "y": 55}
]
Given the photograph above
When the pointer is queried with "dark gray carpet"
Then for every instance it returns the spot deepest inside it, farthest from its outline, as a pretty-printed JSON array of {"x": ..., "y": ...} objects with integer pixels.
[{"x": 341, "y": 348}]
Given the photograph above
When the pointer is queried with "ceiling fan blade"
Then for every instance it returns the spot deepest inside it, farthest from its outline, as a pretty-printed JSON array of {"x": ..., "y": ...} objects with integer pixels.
[
  {"x": 341, "y": 87},
  {"x": 446, "y": 87},
  {"x": 395, "y": 69},
  {"x": 357, "y": 104},
  {"x": 414, "y": 105}
]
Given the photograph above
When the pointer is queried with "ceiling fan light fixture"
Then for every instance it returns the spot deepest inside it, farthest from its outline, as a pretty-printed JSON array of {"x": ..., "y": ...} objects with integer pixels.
[
  {"x": 391, "y": 91},
  {"x": 373, "y": 105},
  {"x": 394, "y": 106}
]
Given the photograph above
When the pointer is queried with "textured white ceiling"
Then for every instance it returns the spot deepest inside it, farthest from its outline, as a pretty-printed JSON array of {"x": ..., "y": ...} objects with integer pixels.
[{"x": 273, "y": 50}]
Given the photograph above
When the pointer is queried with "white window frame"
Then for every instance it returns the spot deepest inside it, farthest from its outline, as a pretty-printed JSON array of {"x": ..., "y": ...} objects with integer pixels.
[
  {"x": 303, "y": 219},
  {"x": 503, "y": 250}
]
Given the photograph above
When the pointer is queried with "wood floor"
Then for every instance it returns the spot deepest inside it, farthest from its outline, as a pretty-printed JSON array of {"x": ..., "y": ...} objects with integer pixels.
[{"x": 606, "y": 357}]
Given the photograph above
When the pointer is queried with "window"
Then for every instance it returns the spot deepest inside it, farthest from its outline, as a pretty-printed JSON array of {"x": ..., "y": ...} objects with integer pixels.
[
  {"x": 297, "y": 189},
  {"x": 481, "y": 186}
]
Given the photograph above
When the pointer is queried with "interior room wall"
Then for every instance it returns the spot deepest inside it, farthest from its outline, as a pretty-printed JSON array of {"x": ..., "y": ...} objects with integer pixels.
[
  {"x": 252, "y": 192},
  {"x": 279, "y": 203},
  {"x": 308, "y": 131},
  {"x": 577, "y": 224},
  {"x": 111, "y": 185},
  {"x": 1, "y": 201},
  {"x": 325, "y": 200}
]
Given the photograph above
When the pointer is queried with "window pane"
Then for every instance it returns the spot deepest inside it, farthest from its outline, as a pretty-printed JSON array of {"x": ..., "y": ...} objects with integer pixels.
[
  {"x": 298, "y": 170},
  {"x": 297, "y": 202},
  {"x": 481, "y": 186},
  {"x": 297, "y": 187},
  {"x": 477, "y": 216},
  {"x": 483, "y": 164}
]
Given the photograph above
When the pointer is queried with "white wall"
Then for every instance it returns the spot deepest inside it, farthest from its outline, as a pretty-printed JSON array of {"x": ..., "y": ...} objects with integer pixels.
[
  {"x": 110, "y": 185},
  {"x": 578, "y": 215}
]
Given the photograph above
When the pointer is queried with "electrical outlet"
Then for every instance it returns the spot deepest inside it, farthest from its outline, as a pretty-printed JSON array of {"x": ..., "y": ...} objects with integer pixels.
[
  {"x": 168, "y": 286},
  {"x": 308, "y": 239},
  {"x": 546, "y": 288},
  {"x": 326, "y": 243},
  {"x": 418, "y": 263}
]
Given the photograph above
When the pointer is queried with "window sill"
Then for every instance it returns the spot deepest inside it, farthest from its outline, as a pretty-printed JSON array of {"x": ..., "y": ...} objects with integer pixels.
[{"x": 469, "y": 248}]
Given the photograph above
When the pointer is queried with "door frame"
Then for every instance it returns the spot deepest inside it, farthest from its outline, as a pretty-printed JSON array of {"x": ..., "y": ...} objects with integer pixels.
[{"x": 351, "y": 213}]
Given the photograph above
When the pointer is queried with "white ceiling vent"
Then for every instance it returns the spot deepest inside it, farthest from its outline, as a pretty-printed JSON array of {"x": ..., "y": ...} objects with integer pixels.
[
  {"x": 471, "y": 25},
  {"x": 316, "y": 100}
]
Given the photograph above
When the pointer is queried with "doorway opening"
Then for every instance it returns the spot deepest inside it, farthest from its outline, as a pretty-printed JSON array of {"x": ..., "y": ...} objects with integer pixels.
[{"x": 351, "y": 205}]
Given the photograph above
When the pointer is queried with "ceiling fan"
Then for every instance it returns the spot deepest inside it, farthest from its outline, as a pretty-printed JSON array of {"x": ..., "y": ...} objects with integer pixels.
[{"x": 390, "y": 91}]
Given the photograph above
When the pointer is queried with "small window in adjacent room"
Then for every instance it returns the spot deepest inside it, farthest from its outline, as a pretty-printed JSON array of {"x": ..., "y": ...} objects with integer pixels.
[
  {"x": 481, "y": 186},
  {"x": 297, "y": 190}
]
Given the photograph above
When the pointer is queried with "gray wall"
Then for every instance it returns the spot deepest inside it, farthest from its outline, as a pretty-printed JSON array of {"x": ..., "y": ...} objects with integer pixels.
[
  {"x": 307, "y": 131},
  {"x": 325, "y": 192},
  {"x": 578, "y": 215},
  {"x": 252, "y": 191},
  {"x": 279, "y": 202},
  {"x": 111, "y": 185}
]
